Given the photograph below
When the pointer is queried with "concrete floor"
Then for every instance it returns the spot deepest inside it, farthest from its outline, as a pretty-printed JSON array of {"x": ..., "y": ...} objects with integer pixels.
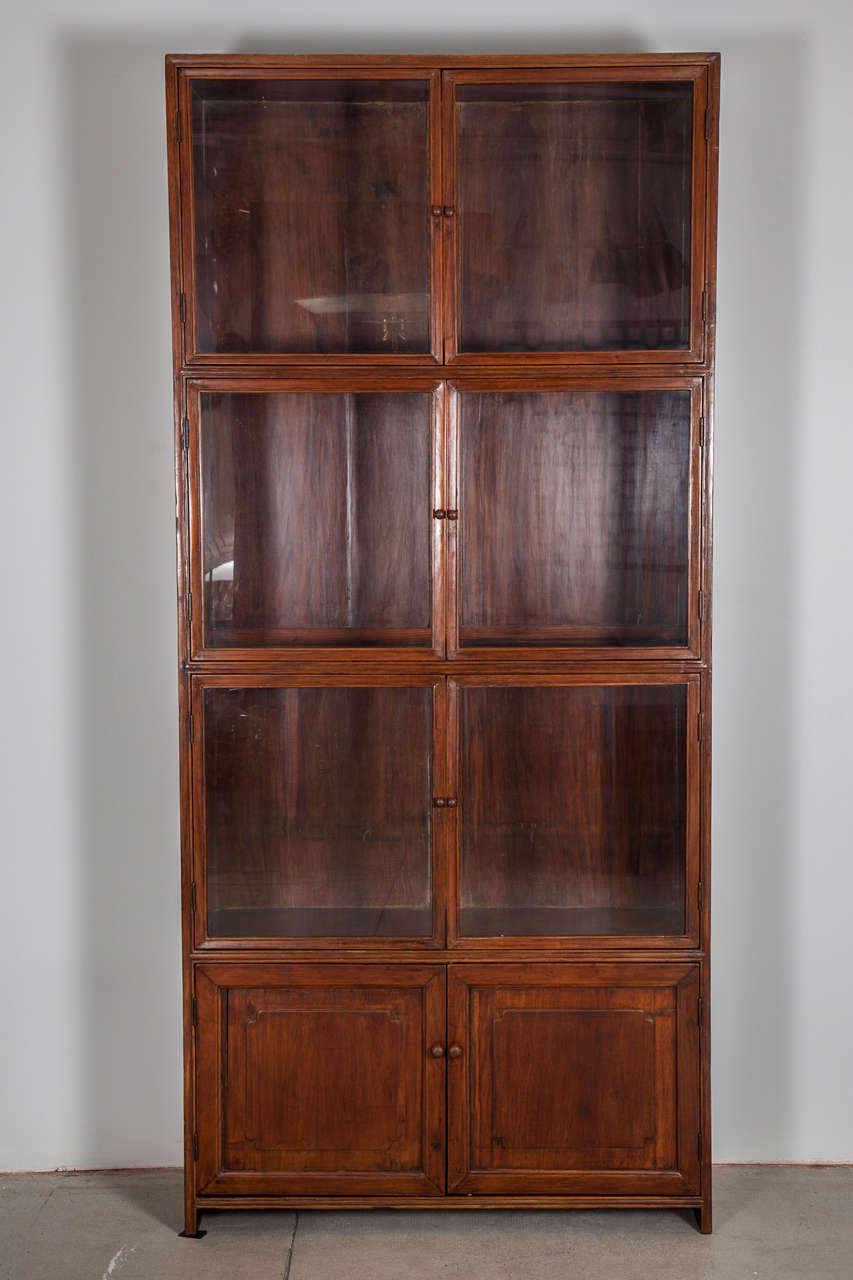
[{"x": 783, "y": 1223}]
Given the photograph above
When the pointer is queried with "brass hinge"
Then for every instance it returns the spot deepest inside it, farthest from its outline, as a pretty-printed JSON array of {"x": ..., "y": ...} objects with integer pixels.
[
  {"x": 699, "y": 727},
  {"x": 699, "y": 1010},
  {"x": 182, "y": 308},
  {"x": 193, "y": 895},
  {"x": 707, "y": 123},
  {"x": 700, "y": 604},
  {"x": 195, "y": 1145},
  {"x": 706, "y": 304},
  {"x": 178, "y": 125},
  {"x": 191, "y": 732},
  {"x": 188, "y": 605},
  {"x": 701, "y": 430},
  {"x": 195, "y": 1011},
  {"x": 699, "y": 897},
  {"x": 185, "y": 434}
]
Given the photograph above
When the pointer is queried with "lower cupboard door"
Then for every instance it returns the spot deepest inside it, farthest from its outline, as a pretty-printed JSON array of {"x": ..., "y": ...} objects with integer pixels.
[
  {"x": 573, "y": 1079},
  {"x": 316, "y": 1080}
]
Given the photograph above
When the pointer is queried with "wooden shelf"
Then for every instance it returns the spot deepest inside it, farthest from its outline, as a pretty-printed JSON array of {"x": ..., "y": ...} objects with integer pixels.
[
  {"x": 321, "y": 922},
  {"x": 569, "y": 922}
]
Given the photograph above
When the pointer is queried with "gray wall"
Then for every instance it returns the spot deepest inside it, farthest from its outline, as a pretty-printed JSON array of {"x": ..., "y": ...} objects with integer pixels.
[{"x": 90, "y": 1073}]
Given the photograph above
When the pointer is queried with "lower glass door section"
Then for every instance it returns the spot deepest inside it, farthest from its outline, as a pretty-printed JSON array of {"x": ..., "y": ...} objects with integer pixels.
[
  {"x": 576, "y": 818},
  {"x": 318, "y": 1079},
  {"x": 573, "y": 1079},
  {"x": 316, "y": 806}
]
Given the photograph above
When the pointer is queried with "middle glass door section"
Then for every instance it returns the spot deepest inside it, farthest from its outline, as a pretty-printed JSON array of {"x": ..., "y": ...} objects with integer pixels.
[
  {"x": 576, "y": 526},
  {"x": 316, "y": 517}
]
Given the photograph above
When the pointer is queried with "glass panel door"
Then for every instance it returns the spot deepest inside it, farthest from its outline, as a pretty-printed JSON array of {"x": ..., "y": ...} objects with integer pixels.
[
  {"x": 575, "y": 517},
  {"x": 574, "y": 201},
  {"x": 311, "y": 215},
  {"x": 574, "y": 810},
  {"x": 316, "y": 812},
  {"x": 317, "y": 524}
]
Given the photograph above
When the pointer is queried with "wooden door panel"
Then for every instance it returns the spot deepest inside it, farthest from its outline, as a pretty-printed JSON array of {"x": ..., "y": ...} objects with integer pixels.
[
  {"x": 318, "y": 1080},
  {"x": 573, "y": 1079}
]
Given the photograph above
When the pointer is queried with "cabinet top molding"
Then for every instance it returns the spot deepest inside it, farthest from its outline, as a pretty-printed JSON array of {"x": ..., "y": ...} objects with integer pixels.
[{"x": 436, "y": 61}]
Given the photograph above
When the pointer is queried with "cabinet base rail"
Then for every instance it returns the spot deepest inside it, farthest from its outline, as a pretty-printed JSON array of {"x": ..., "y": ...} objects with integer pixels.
[{"x": 701, "y": 1206}]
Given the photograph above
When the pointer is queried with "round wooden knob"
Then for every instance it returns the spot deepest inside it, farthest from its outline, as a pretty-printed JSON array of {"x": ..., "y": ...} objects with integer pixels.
[
  {"x": 437, "y": 1050},
  {"x": 454, "y": 1051}
]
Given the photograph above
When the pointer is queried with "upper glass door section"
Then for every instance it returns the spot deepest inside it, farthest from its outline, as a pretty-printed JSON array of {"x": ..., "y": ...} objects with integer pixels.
[
  {"x": 577, "y": 202},
  {"x": 310, "y": 221}
]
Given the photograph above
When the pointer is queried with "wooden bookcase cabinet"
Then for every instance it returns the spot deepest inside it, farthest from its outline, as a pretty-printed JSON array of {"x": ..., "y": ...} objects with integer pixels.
[{"x": 443, "y": 335}]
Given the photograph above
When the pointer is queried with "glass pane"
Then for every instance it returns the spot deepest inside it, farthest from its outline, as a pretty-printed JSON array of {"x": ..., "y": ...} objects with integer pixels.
[
  {"x": 311, "y": 206},
  {"x": 316, "y": 518},
  {"x": 317, "y": 812},
  {"x": 574, "y": 203},
  {"x": 575, "y": 517},
  {"x": 573, "y": 810}
]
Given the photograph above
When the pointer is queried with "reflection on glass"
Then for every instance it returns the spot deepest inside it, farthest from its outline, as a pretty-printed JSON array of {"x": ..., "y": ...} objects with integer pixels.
[
  {"x": 316, "y": 518},
  {"x": 575, "y": 206},
  {"x": 573, "y": 810},
  {"x": 311, "y": 216},
  {"x": 317, "y": 817},
  {"x": 575, "y": 517}
]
